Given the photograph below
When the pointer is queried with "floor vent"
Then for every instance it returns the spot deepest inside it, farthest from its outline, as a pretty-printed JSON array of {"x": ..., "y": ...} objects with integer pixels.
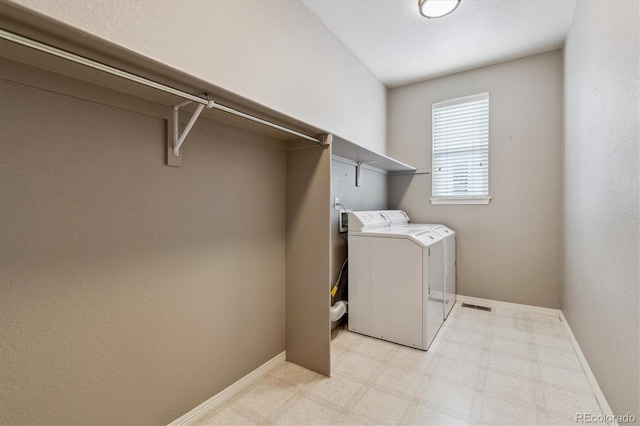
[{"x": 482, "y": 308}]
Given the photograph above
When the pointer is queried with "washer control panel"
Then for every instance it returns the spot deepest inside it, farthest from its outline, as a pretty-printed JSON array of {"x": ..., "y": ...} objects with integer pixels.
[
  {"x": 397, "y": 217},
  {"x": 367, "y": 220}
]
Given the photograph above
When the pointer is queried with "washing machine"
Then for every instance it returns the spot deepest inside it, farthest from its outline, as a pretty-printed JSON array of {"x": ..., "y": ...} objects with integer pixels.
[
  {"x": 396, "y": 280},
  {"x": 401, "y": 219}
]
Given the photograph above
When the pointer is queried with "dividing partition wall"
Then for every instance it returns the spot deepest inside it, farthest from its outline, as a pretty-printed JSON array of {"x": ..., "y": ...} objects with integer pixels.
[{"x": 308, "y": 256}]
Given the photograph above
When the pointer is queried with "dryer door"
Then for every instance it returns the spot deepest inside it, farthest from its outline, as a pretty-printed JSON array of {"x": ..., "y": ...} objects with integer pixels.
[
  {"x": 450, "y": 273},
  {"x": 434, "y": 282}
]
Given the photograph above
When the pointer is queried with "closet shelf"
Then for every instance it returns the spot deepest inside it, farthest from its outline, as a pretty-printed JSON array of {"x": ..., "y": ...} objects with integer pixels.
[{"x": 359, "y": 154}]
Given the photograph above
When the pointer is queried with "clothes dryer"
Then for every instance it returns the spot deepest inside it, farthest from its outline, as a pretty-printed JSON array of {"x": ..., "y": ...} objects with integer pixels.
[
  {"x": 396, "y": 280},
  {"x": 401, "y": 219}
]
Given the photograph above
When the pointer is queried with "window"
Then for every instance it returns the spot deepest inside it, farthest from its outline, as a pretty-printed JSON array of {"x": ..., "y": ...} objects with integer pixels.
[{"x": 461, "y": 151}]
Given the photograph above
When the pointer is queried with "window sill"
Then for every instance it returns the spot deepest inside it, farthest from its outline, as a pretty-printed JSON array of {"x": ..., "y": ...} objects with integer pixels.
[{"x": 453, "y": 200}]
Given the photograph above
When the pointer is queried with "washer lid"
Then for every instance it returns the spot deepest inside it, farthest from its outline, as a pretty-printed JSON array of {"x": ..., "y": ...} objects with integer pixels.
[
  {"x": 442, "y": 230},
  {"x": 436, "y": 227},
  {"x": 429, "y": 237},
  {"x": 421, "y": 236}
]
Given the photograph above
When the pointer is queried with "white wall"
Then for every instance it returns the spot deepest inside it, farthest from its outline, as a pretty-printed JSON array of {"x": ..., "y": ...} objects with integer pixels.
[
  {"x": 276, "y": 53},
  {"x": 601, "y": 172},
  {"x": 510, "y": 249}
]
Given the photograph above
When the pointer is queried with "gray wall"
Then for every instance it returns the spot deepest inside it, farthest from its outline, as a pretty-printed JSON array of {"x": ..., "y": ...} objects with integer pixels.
[
  {"x": 510, "y": 249},
  {"x": 129, "y": 295},
  {"x": 601, "y": 196}
]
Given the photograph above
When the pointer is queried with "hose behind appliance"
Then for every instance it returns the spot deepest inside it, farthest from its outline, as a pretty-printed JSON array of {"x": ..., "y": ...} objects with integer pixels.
[{"x": 339, "y": 308}]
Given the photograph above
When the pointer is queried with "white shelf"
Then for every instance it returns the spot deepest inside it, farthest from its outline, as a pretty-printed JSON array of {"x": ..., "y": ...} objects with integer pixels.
[{"x": 351, "y": 151}]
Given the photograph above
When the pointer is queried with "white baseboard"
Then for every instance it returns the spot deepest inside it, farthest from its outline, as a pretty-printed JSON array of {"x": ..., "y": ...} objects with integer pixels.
[
  {"x": 507, "y": 305},
  {"x": 231, "y": 390},
  {"x": 604, "y": 405}
]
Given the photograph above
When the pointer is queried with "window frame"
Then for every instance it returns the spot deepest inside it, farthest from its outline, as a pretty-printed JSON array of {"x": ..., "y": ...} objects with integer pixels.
[{"x": 461, "y": 199}]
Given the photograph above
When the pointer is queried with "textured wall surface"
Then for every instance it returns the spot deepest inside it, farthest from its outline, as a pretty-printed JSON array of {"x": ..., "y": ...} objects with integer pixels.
[
  {"x": 129, "y": 293},
  {"x": 276, "y": 53},
  {"x": 601, "y": 196},
  {"x": 508, "y": 250}
]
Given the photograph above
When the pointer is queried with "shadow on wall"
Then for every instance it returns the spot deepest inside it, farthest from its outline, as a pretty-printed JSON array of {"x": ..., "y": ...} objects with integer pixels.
[{"x": 400, "y": 185}]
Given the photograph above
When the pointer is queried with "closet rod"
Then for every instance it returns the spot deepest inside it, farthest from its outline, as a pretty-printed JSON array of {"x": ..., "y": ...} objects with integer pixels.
[{"x": 16, "y": 38}]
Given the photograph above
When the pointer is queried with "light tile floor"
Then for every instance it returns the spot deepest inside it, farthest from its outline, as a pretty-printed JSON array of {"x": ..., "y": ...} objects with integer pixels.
[{"x": 503, "y": 367}]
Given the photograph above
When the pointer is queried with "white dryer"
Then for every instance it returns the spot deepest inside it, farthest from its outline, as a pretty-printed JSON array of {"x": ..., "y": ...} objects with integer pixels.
[
  {"x": 401, "y": 219},
  {"x": 396, "y": 280}
]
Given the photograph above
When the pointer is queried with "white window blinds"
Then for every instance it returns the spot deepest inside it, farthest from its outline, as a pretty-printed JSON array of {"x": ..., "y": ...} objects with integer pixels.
[{"x": 461, "y": 150}]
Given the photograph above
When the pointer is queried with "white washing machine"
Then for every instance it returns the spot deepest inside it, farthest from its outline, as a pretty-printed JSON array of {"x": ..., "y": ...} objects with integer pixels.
[
  {"x": 396, "y": 280},
  {"x": 400, "y": 218}
]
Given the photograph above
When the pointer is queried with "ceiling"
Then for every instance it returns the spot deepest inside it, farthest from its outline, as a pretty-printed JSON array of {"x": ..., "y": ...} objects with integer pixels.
[{"x": 400, "y": 46}]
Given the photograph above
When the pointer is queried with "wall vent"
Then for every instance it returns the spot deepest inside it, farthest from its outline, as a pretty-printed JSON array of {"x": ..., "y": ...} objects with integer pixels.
[{"x": 482, "y": 308}]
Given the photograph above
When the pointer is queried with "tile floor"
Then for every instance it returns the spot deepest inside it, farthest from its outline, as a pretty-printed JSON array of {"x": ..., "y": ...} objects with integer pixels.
[{"x": 484, "y": 368}]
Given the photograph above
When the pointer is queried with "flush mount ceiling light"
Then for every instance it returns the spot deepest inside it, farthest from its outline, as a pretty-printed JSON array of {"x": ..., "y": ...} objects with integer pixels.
[{"x": 437, "y": 8}]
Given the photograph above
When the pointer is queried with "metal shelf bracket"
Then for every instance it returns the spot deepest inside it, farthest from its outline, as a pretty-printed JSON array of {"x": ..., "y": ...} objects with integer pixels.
[
  {"x": 359, "y": 165},
  {"x": 178, "y": 139}
]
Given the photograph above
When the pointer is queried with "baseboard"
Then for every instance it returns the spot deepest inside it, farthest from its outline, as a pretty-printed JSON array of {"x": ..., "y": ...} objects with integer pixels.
[
  {"x": 231, "y": 390},
  {"x": 604, "y": 405},
  {"x": 507, "y": 305}
]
